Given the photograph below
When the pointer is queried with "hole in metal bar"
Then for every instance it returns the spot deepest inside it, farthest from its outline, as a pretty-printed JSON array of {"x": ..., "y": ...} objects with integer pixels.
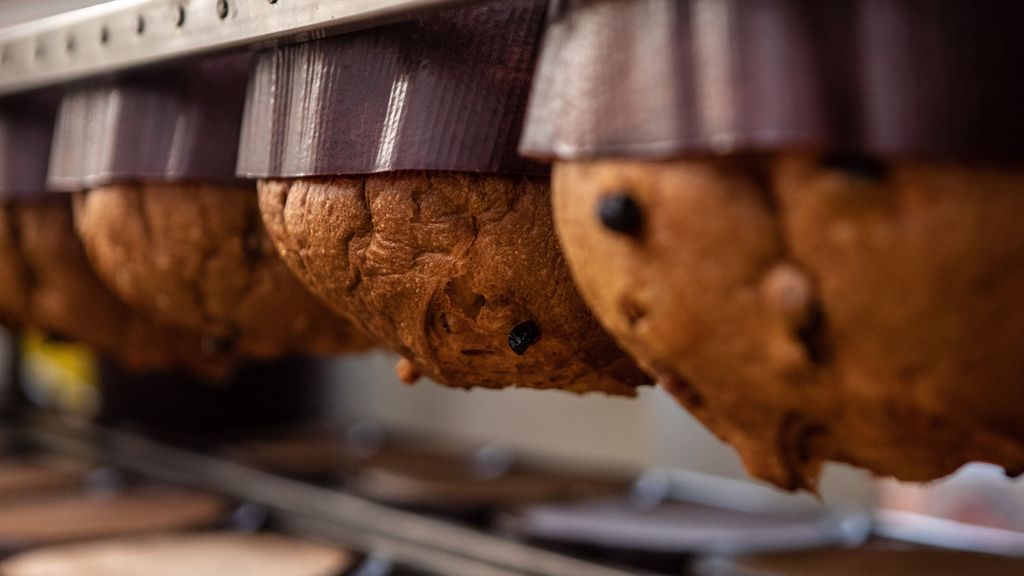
[
  {"x": 180, "y": 18},
  {"x": 104, "y": 35},
  {"x": 222, "y": 9},
  {"x": 140, "y": 25},
  {"x": 40, "y": 52},
  {"x": 70, "y": 45}
]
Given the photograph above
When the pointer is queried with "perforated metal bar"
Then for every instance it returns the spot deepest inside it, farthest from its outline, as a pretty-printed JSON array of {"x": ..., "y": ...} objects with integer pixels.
[{"x": 130, "y": 33}]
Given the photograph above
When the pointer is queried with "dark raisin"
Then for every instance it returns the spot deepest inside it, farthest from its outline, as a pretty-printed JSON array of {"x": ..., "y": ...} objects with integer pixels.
[
  {"x": 633, "y": 311},
  {"x": 858, "y": 165},
  {"x": 679, "y": 387},
  {"x": 814, "y": 337},
  {"x": 620, "y": 213},
  {"x": 522, "y": 337},
  {"x": 55, "y": 338},
  {"x": 217, "y": 345}
]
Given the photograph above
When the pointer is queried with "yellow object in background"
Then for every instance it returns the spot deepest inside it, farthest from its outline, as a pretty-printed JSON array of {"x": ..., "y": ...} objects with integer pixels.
[{"x": 60, "y": 375}]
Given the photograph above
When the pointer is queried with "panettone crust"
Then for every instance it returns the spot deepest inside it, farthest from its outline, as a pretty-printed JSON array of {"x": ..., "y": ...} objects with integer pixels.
[
  {"x": 815, "y": 308},
  {"x": 197, "y": 256},
  {"x": 460, "y": 273}
]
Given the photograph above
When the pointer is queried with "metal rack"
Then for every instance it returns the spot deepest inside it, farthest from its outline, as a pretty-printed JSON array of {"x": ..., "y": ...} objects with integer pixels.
[
  {"x": 438, "y": 546},
  {"x": 129, "y": 33}
]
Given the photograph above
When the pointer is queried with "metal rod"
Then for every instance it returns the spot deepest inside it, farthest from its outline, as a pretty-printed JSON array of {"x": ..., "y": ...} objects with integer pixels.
[
  {"x": 420, "y": 541},
  {"x": 129, "y": 33}
]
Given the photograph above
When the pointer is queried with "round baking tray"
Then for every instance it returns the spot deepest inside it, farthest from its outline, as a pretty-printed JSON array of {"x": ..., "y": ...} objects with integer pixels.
[
  {"x": 880, "y": 561},
  {"x": 683, "y": 513}
]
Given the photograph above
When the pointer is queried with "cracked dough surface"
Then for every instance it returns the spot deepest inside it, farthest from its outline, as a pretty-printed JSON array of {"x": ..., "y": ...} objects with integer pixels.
[
  {"x": 806, "y": 313},
  {"x": 197, "y": 256},
  {"x": 442, "y": 267},
  {"x": 47, "y": 284}
]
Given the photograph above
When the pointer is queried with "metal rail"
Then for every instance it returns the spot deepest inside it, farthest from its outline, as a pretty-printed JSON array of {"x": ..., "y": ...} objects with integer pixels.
[
  {"x": 130, "y": 33},
  {"x": 435, "y": 545}
]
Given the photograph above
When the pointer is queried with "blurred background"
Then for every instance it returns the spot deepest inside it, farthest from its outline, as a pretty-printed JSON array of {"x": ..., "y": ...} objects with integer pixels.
[{"x": 649, "y": 431}]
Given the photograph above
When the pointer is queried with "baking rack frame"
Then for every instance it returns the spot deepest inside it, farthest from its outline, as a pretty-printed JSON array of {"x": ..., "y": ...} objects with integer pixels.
[
  {"x": 403, "y": 538},
  {"x": 123, "y": 34}
]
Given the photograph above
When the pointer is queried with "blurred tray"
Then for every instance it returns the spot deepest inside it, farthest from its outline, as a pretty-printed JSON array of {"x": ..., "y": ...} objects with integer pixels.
[
  {"x": 436, "y": 546},
  {"x": 674, "y": 512},
  {"x": 876, "y": 562}
]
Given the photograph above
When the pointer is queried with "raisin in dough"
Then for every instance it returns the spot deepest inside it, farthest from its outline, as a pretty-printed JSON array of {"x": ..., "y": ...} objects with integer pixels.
[
  {"x": 197, "y": 256},
  {"x": 810, "y": 309},
  {"x": 47, "y": 284},
  {"x": 462, "y": 274}
]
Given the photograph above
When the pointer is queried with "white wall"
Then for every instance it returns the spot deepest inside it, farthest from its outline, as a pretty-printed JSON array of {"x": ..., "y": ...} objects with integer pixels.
[
  {"x": 650, "y": 431},
  {"x": 16, "y": 11}
]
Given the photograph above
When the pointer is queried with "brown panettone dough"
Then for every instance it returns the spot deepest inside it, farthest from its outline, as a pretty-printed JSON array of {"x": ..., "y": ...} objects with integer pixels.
[
  {"x": 810, "y": 309},
  {"x": 47, "y": 284},
  {"x": 14, "y": 278},
  {"x": 197, "y": 256},
  {"x": 448, "y": 268}
]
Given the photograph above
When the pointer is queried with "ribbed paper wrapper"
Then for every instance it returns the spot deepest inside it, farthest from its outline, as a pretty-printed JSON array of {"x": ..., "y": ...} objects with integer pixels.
[
  {"x": 26, "y": 127},
  {"x": 446, "y": 91},
  {"x": 174, "y": 123},
  {"x": 664, "y": 78}
]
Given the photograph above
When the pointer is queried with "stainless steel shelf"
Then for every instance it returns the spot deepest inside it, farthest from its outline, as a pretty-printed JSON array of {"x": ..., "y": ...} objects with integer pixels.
[{"x": 129, "y": 33}]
